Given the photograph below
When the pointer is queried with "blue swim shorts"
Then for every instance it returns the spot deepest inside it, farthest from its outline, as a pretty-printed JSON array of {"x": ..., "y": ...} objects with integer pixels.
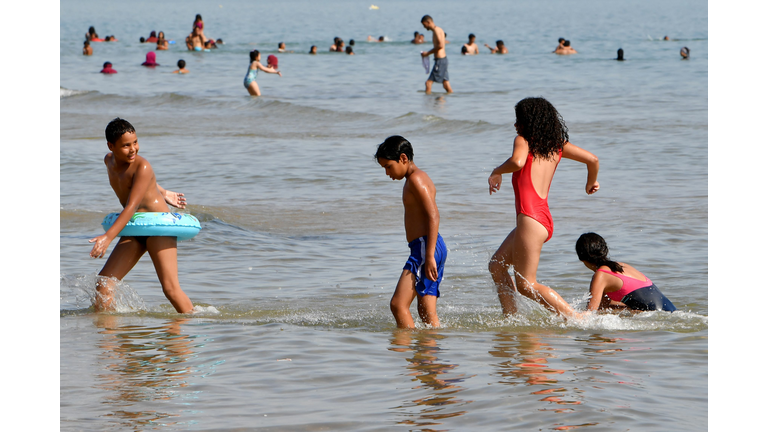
[
  {"x": 415, "y": 264},
  {"x": 439, "y": 71}
]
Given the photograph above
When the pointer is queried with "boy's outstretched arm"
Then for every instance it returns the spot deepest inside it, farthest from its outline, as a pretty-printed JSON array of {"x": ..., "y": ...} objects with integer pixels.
[
  {"x": 141, "y": 182},
  {"x": 175, "y": 199},
  {"x": 573, "y": 152}
]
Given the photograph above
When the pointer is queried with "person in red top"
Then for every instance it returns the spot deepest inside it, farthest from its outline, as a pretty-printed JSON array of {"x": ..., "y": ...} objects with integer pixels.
[
  {"x": 541, "y": 141},
  {"x": 152, "y": 37},
  {"x": 108, "y": 68}
]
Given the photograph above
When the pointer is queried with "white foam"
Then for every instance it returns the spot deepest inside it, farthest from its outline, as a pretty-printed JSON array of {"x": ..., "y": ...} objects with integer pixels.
[{"x": 64, "y": 93}]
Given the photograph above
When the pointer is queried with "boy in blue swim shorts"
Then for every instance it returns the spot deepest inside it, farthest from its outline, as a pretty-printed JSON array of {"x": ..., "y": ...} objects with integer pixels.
[{"x": 423, "y": 271}]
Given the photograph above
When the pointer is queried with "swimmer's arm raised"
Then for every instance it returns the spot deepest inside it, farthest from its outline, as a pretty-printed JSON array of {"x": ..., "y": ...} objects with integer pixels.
[
  {"x": 141, "y": 182},
  {"x": 515, "y": 163},
  {"x": 573, "y": 152}
]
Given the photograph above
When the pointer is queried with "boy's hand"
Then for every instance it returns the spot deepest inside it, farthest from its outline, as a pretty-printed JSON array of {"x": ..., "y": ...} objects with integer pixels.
[
  {"x": 494, "y": 182},
  {"x": 175, "y": 199},
  {"x": 102, "y": 243},
  {"x": 593, "y": 188},
  {"x": 431, "y": 266}
]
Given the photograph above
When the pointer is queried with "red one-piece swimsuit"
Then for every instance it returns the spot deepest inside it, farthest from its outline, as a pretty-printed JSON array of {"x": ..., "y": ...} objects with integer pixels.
[{"x": 528, "y": 201}]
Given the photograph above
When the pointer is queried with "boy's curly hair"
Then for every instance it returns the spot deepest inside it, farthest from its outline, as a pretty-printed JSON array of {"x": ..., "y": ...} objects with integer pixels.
[{"x": 542, "y": 126}]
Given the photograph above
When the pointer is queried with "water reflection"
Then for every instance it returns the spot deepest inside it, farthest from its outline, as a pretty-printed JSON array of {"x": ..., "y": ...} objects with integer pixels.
[
  {"x": 437, "y": 387},
  {"x": 143, "y": 367},
  {"x": 524, "y": 360}
]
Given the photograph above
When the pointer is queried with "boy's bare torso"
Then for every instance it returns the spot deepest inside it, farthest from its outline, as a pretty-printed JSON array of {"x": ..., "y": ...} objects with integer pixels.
[
  {"x": 438, "y": 40},
  {"x": 121, "y": 178},
  {"x": 419, "y": 202}
]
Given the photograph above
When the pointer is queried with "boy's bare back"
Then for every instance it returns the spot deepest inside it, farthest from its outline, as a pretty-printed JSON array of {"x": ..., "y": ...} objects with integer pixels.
[{"x": 420, "y": 207}]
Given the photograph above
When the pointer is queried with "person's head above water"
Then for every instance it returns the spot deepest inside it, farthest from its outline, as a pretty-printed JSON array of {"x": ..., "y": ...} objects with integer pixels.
[
  {"x": 181, "y": 64},
  {"x": 91, "y": 30},
  {"x": 566, "y": 43},
  {"x": 254, "y": 55},
  {"x": 117, "y": 128},
  {"x": 471, "y": 38},
  {"x": 281, "y": 45},
  {"x": 150, "y": 61},
  {"x": 152, "y": 34},
  {"x": 313, "y": 49},
  {"x": 272, "y": 61},
  {"x": 393, "y": 147},
  {"x": 499, "y": 43},
  {"x": 351, "y": 42},
  {"x": 592, "y": 249},
  {"x": 541, "y": 125},
  {"x": 620, "y": 54},
  {"x": 142, "y": 40},
  {"x": 349, "y": 50},
  {"x": 685, "y": 52}
]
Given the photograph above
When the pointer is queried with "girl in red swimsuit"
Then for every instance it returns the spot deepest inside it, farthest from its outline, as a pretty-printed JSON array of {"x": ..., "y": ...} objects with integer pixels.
[{"x": 541, "y": 141}]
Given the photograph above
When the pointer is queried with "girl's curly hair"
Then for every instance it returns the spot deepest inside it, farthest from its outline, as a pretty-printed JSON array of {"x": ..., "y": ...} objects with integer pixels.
[{"x": 542, "y": 126}]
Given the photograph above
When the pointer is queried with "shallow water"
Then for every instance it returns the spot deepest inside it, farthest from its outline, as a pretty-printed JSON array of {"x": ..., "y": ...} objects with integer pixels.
[{"x": 303, "y": 241}]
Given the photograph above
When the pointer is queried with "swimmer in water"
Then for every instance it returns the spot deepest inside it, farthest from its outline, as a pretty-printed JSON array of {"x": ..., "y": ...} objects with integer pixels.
[
  {"x": 107, "y": 69},
  {"x": 500, "y": 48},
  {"x": 685, "y": 53},
  {"x": 133, "y": 181},
  {"x": 87, "y": 48},
  {"x": 540, "y": 144},
  {"x": 559, "y": 44},
  {"x": 92, "y": 36},
  {"x": 371, "y": 39},
  {"x": 617, "y": 285},
  {"x": 253, "y": 70},
  {"x": 162, "y": 44},
  {"x": 349, "y": 51},
  {"x": 471, "y": 46},
  {"x": 182, "y": 67},
  {"x": 620, "y": 55},
  {"x": 152, "y": 37},
  {"x": 313, "y": 49},
  {"x": 150, "y": 60},
  {"x": 567, "y": 49},
  {"x": 195, "y": 41},
  {"x": 281, "y": 47}
]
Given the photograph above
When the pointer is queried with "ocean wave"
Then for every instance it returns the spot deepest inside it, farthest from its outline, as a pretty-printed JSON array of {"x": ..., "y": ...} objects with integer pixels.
[{"x": 65, "y": 93}]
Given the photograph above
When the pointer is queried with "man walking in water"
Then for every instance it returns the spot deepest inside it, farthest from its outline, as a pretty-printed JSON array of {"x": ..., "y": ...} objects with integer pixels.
[{"x": 440, "y": 70}]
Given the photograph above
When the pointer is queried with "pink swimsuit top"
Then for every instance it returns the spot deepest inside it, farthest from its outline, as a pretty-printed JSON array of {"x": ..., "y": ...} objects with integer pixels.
[{"x": 629, "y": 284}]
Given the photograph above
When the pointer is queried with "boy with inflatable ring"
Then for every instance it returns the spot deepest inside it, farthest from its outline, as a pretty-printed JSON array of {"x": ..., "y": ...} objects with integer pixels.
[{"x": 134, "y": 183}]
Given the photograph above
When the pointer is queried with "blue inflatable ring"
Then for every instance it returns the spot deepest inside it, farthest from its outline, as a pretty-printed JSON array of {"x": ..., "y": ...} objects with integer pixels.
[{"x": 183, "y": 226}]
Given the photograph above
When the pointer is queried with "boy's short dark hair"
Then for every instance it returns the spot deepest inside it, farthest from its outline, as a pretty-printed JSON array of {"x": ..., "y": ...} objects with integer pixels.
[
  {"x": 567, "y": 43},
  {"x": 181, "y": 64},
  {"x": 471, "y": 35},
  {"x": 561, "y": 40},
  {"x": 393, "y": 147},
  {"x": 351, "y": 42},
  {"x": 117, "y": 128},
  {"x": 499, "y": 42},
  {"x": 426, "y": 18},
  {"x": 141, "y": 39}
]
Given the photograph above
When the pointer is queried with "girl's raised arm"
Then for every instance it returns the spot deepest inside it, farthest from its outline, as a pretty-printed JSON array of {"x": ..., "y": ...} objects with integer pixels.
[{"x": 573, "y": 152}]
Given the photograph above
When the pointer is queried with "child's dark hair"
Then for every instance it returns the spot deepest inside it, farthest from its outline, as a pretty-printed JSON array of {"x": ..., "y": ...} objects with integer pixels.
[
  {"x": 117, "y": 128},
  {"x": 499, "y": 43},
  {"x": 426, "y": 18},
  {"x": 567, "y": 43},
  {"x": 181, "y": 64},
  {"x": 592, "y": 248},
  {"x": 254, "y": 55},
  {"x": 393, "y": 147},
  {"x": 542, "y": 126}
]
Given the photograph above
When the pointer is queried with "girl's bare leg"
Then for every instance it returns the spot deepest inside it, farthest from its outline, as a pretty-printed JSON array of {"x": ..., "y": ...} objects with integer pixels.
[
  {"x": 123, "y": 258},
  {"x": 400, "y": 305},
  {"x": 499, "y": 268},
  {"x": 527, "y": 244},
  {"x": 427, "y": 306},
  {"x": 162, "y": 250},
  {"x": 253, "y": 89}
]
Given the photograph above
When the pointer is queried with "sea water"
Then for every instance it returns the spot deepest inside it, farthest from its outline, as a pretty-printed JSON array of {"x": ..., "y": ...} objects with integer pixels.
[{"x": 303, "y": 240}]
